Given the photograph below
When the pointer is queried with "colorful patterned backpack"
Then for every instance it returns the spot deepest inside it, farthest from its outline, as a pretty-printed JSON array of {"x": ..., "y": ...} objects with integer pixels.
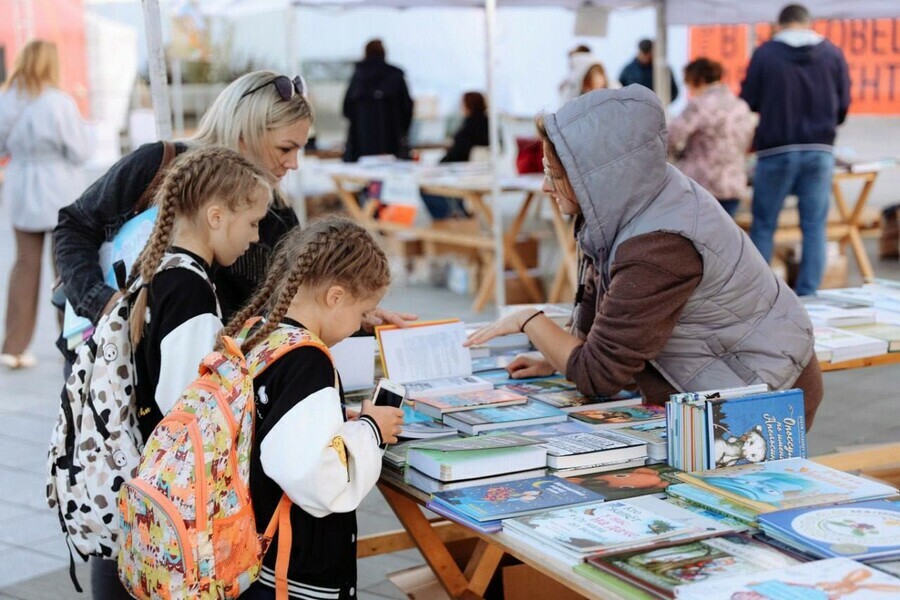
[
  {"x": 188, "y": 529},
  {"x": 95, "y": 446}
]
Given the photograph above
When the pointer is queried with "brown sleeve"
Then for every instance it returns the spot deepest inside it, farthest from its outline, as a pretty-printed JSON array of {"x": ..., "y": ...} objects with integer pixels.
[{"x": 651, "y": 279}]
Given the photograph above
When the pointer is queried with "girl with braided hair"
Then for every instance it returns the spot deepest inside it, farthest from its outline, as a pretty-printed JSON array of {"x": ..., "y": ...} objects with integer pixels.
[
  {"x": 326, "y": 279},
  {"x": 210, "y": 206}
]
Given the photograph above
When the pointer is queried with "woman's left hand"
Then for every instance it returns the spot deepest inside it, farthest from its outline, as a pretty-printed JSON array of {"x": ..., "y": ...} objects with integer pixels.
[
  {"x": 505, "y": 326},
  {"x": 381, "y": 316}
]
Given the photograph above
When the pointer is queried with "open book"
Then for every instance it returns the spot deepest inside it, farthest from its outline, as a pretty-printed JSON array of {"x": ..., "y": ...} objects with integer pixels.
[{"x": 429, "y": 359}]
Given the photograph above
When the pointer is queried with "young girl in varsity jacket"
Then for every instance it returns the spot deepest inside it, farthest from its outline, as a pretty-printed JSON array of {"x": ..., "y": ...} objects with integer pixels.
[
  {"x": 326, "y": 280},
  {"x": 210, "y": 206}
]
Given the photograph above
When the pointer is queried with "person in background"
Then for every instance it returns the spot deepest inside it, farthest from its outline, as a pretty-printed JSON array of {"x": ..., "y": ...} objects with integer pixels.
[
  {"x": 378, "y": 107},
  {"x": 473, "y": 131},
  {"x": 640, "y": 70},
  {"x": 46, "y": 140},
  {"x": 799, "y": 84},
  {"x": 586, "y": 74},
  {"x": 672, "y": 294},
  {"x": 711, "y": 137}
]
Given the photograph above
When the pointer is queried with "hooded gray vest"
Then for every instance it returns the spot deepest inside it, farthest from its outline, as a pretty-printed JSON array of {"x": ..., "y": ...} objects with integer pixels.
[{"x": 742, "y": 324}]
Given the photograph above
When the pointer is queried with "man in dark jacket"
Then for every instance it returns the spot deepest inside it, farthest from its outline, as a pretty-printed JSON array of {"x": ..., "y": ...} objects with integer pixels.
[
  {"x": 640, "y": 70},
  {"x": 378, "y": 107},
  {"x": 799, "y": 84}
]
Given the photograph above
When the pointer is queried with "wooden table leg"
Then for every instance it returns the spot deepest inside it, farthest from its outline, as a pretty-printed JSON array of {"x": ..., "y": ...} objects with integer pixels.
[
  {"x": 851, "y": 219},
  {"x": 512, "y": 255},
  {"x": 486, "y": 287},
  {"x": 568, "y": 267},
  {"x": 427, "y": 541},
  {"x": 482, "y": 566}
]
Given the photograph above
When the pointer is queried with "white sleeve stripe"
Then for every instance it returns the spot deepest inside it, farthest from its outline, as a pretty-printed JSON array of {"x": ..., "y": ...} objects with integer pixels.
[{"x": 180, "y": 353}]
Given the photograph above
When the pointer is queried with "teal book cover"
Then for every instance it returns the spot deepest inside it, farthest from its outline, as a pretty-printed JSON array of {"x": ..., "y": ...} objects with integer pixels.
[
  {"x": 509, "y": 414},
  {"x": 514, "y": 498}
]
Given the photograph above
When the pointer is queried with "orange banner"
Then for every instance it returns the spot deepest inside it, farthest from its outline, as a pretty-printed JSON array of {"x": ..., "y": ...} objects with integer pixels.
[
  {"x": 60, "y": 21},
  {"x": 871, "y": 46}
]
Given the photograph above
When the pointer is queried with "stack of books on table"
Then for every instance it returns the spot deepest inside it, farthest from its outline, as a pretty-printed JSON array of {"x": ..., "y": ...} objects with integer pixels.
[
  {"x": 433, "y": 465},
  {"x": 593, "y": 452},
  {"x": 838, "y": 345},
  {"x": 721, "y": 428}
]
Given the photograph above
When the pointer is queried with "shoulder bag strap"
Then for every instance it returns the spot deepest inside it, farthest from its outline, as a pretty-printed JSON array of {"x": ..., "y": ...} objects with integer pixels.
[{"x": 146, "y": 198}]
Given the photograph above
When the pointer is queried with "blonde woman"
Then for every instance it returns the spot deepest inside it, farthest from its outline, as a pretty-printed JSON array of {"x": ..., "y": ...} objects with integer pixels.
[{"x": 46, "y": 140}]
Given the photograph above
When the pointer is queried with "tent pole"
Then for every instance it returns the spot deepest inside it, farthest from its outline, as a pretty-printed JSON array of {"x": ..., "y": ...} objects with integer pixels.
[
  {"x": 490, "y": 9},
  {"x": 156, "y": 65},
  {"x": 293, "y": 66},
  {"x": 661, "y": 79}
]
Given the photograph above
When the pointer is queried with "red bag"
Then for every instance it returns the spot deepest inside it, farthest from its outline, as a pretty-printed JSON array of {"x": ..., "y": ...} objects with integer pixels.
[{"x": 530, "y": 158}]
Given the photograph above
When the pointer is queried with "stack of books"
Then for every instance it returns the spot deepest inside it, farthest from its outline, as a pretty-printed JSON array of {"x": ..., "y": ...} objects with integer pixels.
[
  {"x": 653, "y": 433},
  {"x": 736, "y": 426},
  {"x": 593, "y": 452},
  {"x": 473, "y": 422},
  {"x": 620, "y": 416},
  {"x": 431, "y": 464},
  {"x": 838, "y": 345},
  {"x": 630, "y": 482}
]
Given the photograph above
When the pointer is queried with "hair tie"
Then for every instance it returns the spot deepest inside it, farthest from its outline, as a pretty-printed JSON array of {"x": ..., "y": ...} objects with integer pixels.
[{"x": 528, "y": 320}]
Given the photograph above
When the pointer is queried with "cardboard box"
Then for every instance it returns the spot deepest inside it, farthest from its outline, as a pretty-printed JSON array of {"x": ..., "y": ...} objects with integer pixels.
[
  {"x": 516, "y": 292},
  {"x": 522, "y": 582}
]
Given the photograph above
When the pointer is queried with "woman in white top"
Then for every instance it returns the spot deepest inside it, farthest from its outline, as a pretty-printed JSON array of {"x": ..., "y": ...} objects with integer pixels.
[{"x": 45, "y": 138}]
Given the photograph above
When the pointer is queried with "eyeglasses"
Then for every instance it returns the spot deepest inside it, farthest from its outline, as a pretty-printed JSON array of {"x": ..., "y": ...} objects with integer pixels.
[{"x": 285, "y": 87}]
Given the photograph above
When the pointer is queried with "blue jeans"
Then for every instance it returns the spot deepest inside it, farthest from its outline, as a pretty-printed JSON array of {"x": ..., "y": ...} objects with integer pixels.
[{"x": 807, "y": 174}]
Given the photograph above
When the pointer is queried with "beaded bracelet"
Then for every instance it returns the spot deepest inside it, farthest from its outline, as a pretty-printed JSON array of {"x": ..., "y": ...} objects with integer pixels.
[{"x": 522, "y": 328}]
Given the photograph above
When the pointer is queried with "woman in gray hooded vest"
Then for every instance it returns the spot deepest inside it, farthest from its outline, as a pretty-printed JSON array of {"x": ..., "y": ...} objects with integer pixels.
[{"x": 673, "y": 296}]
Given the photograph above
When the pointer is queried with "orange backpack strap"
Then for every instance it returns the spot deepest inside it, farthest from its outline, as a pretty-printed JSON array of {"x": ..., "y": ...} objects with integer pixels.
[{"x": 281, "y": 522}]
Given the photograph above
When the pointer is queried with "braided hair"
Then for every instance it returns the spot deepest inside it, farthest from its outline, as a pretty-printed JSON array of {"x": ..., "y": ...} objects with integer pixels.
[
  {"x": 195, "y": 179},
  {"x": 329, "y": 251}
]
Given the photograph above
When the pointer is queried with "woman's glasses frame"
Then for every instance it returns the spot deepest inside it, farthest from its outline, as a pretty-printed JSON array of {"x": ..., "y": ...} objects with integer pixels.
[{"x": 284, "y": 85}]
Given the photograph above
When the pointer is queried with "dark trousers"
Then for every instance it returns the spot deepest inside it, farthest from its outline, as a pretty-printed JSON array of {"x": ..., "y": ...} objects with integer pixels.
[{"x": 105, "y": 584}]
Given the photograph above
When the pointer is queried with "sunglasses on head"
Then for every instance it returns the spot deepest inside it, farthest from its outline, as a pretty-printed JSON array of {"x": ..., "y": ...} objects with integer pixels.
[{"x": 285, "y": 87}]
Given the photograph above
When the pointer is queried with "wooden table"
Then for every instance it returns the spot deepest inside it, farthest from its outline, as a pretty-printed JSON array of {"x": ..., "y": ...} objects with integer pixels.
[
  {"x": 847, "y": 225},
  {"x": 891, "y": 358},
  {"x": 473, "y": 191},
  {"x": 431, "y": 536}
]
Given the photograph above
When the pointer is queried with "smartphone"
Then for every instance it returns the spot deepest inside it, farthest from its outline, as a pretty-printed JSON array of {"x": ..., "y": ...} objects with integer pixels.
[{"x": 389, "y": 393}]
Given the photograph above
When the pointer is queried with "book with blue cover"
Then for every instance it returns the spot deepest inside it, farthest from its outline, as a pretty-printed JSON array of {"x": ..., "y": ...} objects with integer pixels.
[
  {"x": 475, "y": 421},
  {"x": 515, "y": 498},
  {"x": 859, "y": 530},
  {"x": 789, "y": 483},
  {"x": 755, "y": 428}
]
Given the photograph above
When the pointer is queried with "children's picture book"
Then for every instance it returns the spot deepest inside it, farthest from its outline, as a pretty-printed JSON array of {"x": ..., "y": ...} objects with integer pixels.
[
  {"x": 628, "y": 483},
  {"x": 569, "y": 400},
  {"x": 428, "y": 358},
  {"x": 515, "y": 498},
  {"x": 592, "y": 448},
  {"x": 729, "y": 522},
  {"x": 755, "y": 428},
  {"x": 437, "y": 406},
  {"x": 831, "y": 579},
  {"x": 430, "y": 485},
  {"x": 614, "y": 584},
  {"x": 661, "y": 568},
  {"x": 476, "y": 421},
  {"x": 859, "y": 530},
  {"x": 714, "y": 502},
  {"x": 623, "y": 416},
  {"x": 790, "y": 483},
  {"x": 601, "y": 528},
  {"x": 654, "y": 434}
]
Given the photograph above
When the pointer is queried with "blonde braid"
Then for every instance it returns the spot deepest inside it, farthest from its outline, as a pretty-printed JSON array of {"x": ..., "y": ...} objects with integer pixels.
[{"x": 151, "y": 256}]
